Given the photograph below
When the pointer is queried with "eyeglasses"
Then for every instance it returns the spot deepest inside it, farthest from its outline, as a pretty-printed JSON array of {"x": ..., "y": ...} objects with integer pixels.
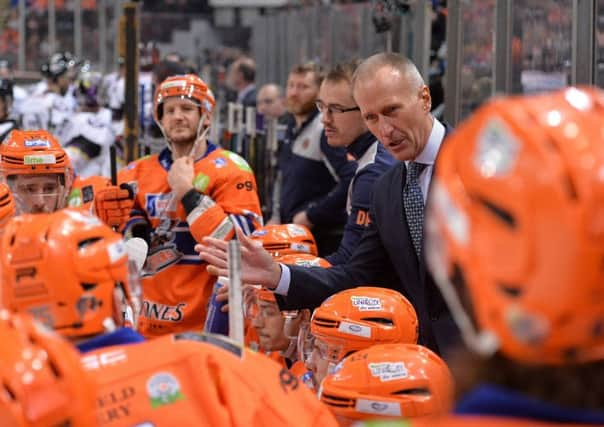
[{"x": 331, "y": 109}]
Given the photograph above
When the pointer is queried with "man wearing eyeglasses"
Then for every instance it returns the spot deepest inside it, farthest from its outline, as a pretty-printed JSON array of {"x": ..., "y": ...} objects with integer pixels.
[
  {"x": 395, "y": 105},
  {"x": 344, "y": 127},
  {"x": 314, "y": 177}
]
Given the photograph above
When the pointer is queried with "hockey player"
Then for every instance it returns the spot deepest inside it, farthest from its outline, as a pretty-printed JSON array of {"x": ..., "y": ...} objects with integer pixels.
[
  {"x": 353, "y": 320},
  {"x": 515, "y": 242},
  {"x": 285, "y": 239},
  {"x": 72, "y": 273},
  {"x": 388, "y": 381},
  {"x": 198, "y": 380},
  {"x": 190, "y": 190},
  {"x": 88, "y": 134},
  {"x": 7, "y": 206},
  {"x": 52, "y": 103},
  {"x": 37, "y": 170},
  {"x": 39, "y": 174},
  {"x": 43, "y": 382}
]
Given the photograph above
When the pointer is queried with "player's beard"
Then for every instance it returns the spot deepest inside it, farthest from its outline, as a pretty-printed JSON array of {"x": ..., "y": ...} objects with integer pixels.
[{"x": 301, "y": 108}]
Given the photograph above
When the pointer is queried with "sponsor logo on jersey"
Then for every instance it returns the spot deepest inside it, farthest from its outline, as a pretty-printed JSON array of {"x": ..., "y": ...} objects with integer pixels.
[
  {"x": 201, "y": 182},
  {"x": 220, "y": 162},
  {"x": 104, "y": 359},
  {"x": 74, "y": 199},
  {"x": 167, "y": 313},
  {"x": 366, "y": 303},
  {"x": 157, "y": 204},
  {"x": 163, "y": 389},
  {"x": 161, "y": 257},
  {"x": 388, "y": 371},
  {"x": 259, "y": 233},
  {"x": 239, "y": 161},
  {"x": 115, "y": 404},
  {"x": 37, "y": 143}
]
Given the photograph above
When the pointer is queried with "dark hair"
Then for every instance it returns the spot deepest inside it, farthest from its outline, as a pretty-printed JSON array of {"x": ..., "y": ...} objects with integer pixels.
[
  {"x": 577, "y": 386},
  {"x": 343, "y": 71},
  {"x": 165, "y": 69},
  {"x": 247, "y": 68},
  {"x": 310, "y": 67}
]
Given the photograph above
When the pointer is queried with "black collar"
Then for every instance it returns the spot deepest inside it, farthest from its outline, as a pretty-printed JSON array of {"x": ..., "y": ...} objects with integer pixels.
[{"x": 360, "y": 145}]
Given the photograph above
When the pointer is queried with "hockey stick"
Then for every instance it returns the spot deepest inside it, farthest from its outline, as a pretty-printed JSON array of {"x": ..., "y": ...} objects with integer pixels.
[{"x": 235, "y": 292}]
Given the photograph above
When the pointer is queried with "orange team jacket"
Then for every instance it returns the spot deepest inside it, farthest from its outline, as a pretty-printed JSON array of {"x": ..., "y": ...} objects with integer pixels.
[
  {"x": 191, "y": 383},
  {"x": 176, "y": 286}
]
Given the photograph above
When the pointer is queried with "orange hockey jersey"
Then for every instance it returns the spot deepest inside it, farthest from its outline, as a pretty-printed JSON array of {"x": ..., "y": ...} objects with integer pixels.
[
  {"x": 181, "y": 382},
  {"x": 83, "y": 191},
  {"x": 176, "y": 286}
]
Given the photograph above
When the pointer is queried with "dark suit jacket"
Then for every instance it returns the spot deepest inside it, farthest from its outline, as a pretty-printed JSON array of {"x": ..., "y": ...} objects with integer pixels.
[
  {"x": 249, "y": 100},
  {"x": 385, "y": 257}
]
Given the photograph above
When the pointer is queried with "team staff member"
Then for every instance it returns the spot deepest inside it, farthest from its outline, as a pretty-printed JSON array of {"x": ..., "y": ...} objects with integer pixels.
[
  {"x": 190, "y": 190},
  {"x": 395, "y": 104},
  {"x": 344, "y": 127},
  {"x": 313, "y": 176}
]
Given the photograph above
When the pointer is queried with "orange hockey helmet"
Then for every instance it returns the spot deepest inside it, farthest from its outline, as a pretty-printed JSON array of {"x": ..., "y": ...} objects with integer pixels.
[
  {"x": 515, "y": 227},
  {"x": 284, "y": 239},
  {"x": 389, "y": 380},
  {"x": 188, "y": 86},
  {"x": 70, "y": 271},
  {"x": 7, "y": 205},
  {"x": 355, "y": 319},
  {"x": 304, "y": 260},
  {"x": 29, "y": 152},
  {"x": 42, "y": 381}
]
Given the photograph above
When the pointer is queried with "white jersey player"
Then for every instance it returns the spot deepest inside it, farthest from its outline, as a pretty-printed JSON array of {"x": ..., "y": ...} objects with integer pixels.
[{"x": 88, "y": 134}]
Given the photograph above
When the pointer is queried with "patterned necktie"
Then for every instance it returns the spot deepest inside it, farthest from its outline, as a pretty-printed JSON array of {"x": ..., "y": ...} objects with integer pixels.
[{"x": 413, "y": 202}]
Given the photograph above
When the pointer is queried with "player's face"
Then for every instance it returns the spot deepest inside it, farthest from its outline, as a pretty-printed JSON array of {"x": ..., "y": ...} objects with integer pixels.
[
  {"x": 180, "y": 120},
  {"x": 269, "y": 325},
  {"x": 318, "y": 363},
  {"x": 37, "y": 193}
]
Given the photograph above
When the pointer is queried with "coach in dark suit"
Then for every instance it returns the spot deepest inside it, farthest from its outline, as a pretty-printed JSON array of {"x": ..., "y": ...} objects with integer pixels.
[{"x": 395, "y": 104}]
